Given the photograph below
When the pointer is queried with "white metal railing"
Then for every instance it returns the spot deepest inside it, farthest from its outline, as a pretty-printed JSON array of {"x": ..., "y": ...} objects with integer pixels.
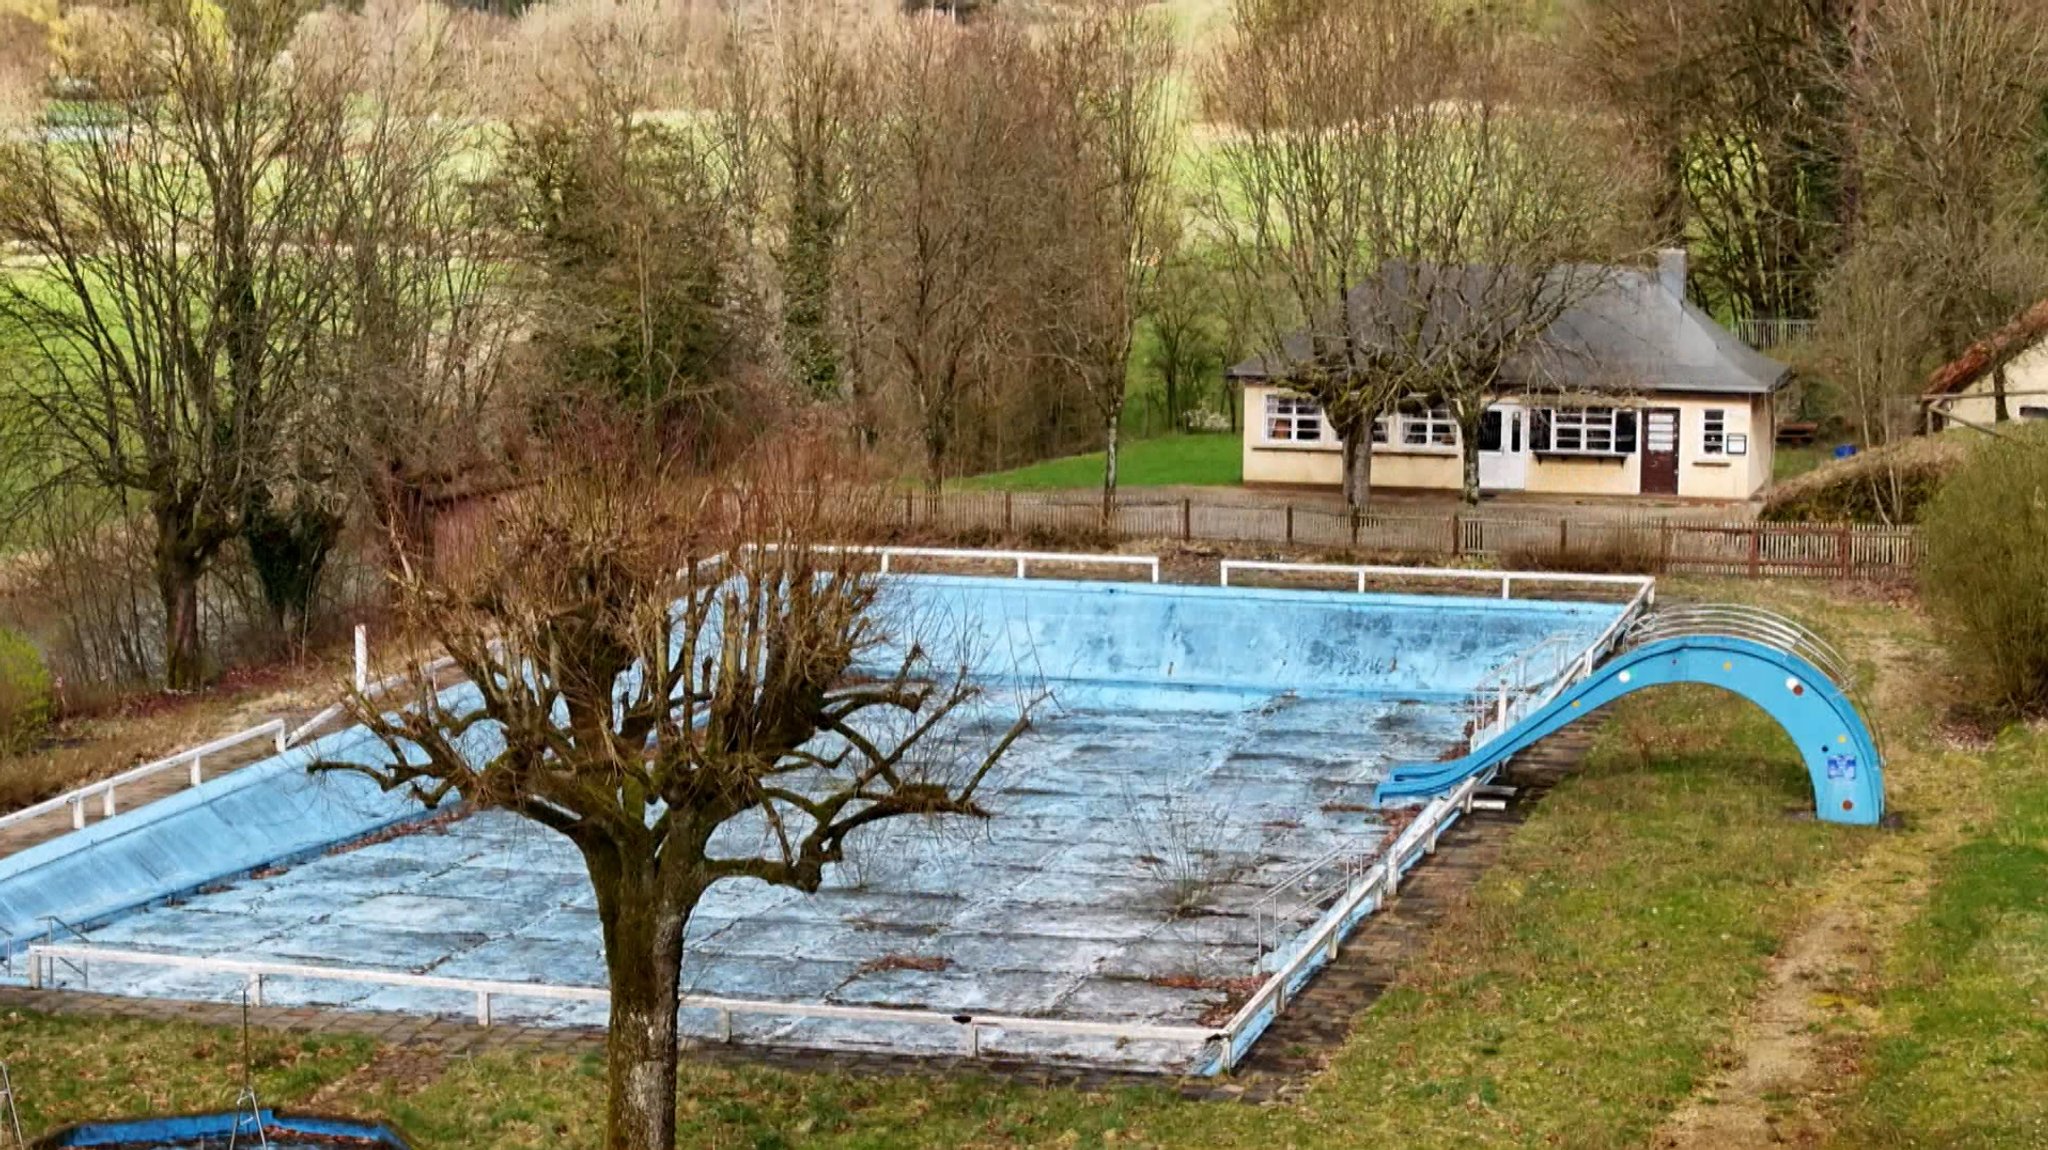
[
  {"x": 1506, "y": 579},
  {"x": 1367, "y": 890},
  {"x": 369, "y": 690},
  {"x": 1512, "y": 708},
  {"x": 192, "y": 760},
  {"x": 255, "y": 973},
  {"x": 1021, "y": 559}
]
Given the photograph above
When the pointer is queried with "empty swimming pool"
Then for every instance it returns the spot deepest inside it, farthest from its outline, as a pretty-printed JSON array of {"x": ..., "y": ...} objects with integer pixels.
[{"x": 1197, "y": 748}]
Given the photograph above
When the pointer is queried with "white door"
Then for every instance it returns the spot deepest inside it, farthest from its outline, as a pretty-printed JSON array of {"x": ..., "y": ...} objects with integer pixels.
[{"x": 1504, "y": 448}]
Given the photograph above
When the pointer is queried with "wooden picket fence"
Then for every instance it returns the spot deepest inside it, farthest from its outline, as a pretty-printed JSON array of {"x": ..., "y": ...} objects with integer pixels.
[
  {"x": 1668, "y": 544},
  {"x": 1674, "y": 544}
]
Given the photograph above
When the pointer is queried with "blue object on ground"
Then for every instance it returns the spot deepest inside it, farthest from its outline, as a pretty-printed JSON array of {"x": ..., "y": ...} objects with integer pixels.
[
  {"x": 191, "y": 1131},
  {"x": 1840, "y": 752},
  {"x": 1844, "y": 450}
]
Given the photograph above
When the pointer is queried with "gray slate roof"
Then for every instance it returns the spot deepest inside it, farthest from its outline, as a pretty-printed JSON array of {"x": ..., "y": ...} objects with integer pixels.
[{"x": 1631, "y": 335}]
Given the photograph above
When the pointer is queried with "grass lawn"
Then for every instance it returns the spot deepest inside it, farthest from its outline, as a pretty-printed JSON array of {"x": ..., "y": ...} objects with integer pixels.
[
  {"x": 1791, "y": 461},
  {"x": 1164, "y": 461},
  {"x": 1599, "y": 977}
]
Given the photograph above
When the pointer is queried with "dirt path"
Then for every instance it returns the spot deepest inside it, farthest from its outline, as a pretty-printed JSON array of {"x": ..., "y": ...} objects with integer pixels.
[{"x": 1797, "y": 1046}]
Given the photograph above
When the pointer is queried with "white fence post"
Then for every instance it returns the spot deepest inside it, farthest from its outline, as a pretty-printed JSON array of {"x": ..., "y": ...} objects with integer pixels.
[{"x": 362, "y": 657}]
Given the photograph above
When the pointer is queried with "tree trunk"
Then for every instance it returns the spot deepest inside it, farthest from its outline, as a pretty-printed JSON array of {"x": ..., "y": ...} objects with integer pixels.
[
  {"x": 1358, "y": 467},
  {"x": 1110, "y": 441},
  {"x": 1468, "y": 448},
  {"x": 178, "y": 572},
  {"x": 643, "y": 944},
  {"x": 2000, "y": 413}
]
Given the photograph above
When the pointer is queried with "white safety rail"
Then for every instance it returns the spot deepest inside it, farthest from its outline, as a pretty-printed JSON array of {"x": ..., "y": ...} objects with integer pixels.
[
  {"x": 1505, "y": 579},
  {"x": 1511, "y": 706},
  {"x": 369, "y": 690},
  {"x": 44, "y": 957},
  {"x": 1021, "y": 560},
  {"x": 192, "y": 761},
  {"x": 1367, "y": 889}
]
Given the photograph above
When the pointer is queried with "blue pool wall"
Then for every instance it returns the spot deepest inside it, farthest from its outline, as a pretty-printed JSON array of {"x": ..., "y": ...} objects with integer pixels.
[
  {"x": 1237, "y": 638},
  {"x": 1080, "y": 636}
]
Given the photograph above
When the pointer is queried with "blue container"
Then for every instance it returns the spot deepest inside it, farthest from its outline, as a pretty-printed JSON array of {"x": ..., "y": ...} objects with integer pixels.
[
  {"x": 1844, "y": 450},
  {"x": 193, "y": 1131}
]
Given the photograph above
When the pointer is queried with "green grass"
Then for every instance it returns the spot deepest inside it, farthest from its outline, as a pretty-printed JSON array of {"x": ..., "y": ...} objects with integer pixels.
[
  {"x": 1165, "y": 461},
  {"x": 1790, "y": 461},
  {"x": 1963, "y": 1059},
  {"x": 1580, "y": 996}
]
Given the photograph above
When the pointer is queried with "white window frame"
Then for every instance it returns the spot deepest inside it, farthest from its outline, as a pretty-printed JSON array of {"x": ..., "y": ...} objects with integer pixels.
[
  {"x": 1584, "y": 424},
  {"x": 1714, "y": 432},
  {"x": 1432, "y": 430},
  {"x": 1294, "y": 412}
]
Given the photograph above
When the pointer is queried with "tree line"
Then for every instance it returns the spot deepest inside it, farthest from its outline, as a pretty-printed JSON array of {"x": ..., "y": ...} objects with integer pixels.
[{"x": 307, "y": 268}]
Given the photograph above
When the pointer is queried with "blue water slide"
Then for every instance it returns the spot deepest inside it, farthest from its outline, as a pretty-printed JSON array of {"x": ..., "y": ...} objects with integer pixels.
[{"x": 1781, "y": 667}]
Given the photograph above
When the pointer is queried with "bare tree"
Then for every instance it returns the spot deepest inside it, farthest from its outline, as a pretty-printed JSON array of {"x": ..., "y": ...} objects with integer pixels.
[
  {"x": 1306, "y": 95},
  {"x": 422, "y": 405},
  {"x": 1946, "y": 107},
  {"x": 933, "y": 245},
  {"x": 1735, "y": 101},
  {"x": 656, "y": 659},
  {"x": 1186, "y": 325},
  {"x": 1427, "y": 214},
  {"x": 175, "y": 287},
  {"x": 1109, "y": 72},
  {"x": 1875, "y": 330}
]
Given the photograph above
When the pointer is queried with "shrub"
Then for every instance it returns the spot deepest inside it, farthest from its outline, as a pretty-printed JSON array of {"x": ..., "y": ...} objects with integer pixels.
[
  {"x": 1985, "y": 569},
  {"x": 26, "y": 705},
  {"x": 1885, "y": 485}
]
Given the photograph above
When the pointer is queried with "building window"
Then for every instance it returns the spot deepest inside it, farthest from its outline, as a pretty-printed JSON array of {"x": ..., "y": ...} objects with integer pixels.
[
  {"x": 1714, "y": 432},
  {"x": 1432, "y": 428},
  {"x": 1601, "y": 431},
  {"x": 1292, "y": 419},
  {"x": 2034, "y": 413}
]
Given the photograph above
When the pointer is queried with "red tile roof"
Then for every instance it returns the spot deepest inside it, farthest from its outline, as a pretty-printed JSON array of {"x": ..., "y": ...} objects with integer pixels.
[{"x": 1994, "y": 350}]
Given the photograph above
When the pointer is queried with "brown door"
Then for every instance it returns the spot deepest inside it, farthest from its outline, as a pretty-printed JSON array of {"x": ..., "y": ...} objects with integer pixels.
[{"x": 1660, "y": 451}]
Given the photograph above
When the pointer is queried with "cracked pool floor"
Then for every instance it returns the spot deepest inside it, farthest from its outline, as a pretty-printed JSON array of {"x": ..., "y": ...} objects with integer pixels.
[{"x": 1117, "y": 881}]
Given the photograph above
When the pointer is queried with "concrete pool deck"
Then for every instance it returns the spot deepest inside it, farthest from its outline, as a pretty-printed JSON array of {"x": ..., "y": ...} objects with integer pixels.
[{"x": 1136, "y": 833}]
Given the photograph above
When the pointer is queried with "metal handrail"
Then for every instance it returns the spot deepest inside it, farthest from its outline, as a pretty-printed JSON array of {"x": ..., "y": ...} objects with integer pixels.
[
  {"x": 191, "y": 759},
  {"x": 1743, "y": 622},
  {"x": 970, "y": 1025},
  {"x": 1756, "y": 624}
]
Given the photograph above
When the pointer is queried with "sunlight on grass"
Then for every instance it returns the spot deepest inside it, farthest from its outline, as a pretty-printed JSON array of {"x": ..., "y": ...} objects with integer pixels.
[{"x": 1167, "y": 461}]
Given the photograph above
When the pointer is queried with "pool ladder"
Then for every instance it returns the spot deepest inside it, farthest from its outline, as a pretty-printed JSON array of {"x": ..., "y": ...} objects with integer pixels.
[{"x": 10, "y": 1116}]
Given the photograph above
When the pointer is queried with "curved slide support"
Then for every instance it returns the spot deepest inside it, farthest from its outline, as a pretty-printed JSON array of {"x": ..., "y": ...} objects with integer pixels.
[{"x": 1841, "y": 755}]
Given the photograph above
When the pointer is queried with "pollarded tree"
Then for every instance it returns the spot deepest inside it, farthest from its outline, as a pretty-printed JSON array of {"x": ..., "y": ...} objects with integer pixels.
[
  {"x": 1308, "y": 94},
  {"x": 1419, "y": 210},
  {"x": 657, "y": 658}
]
